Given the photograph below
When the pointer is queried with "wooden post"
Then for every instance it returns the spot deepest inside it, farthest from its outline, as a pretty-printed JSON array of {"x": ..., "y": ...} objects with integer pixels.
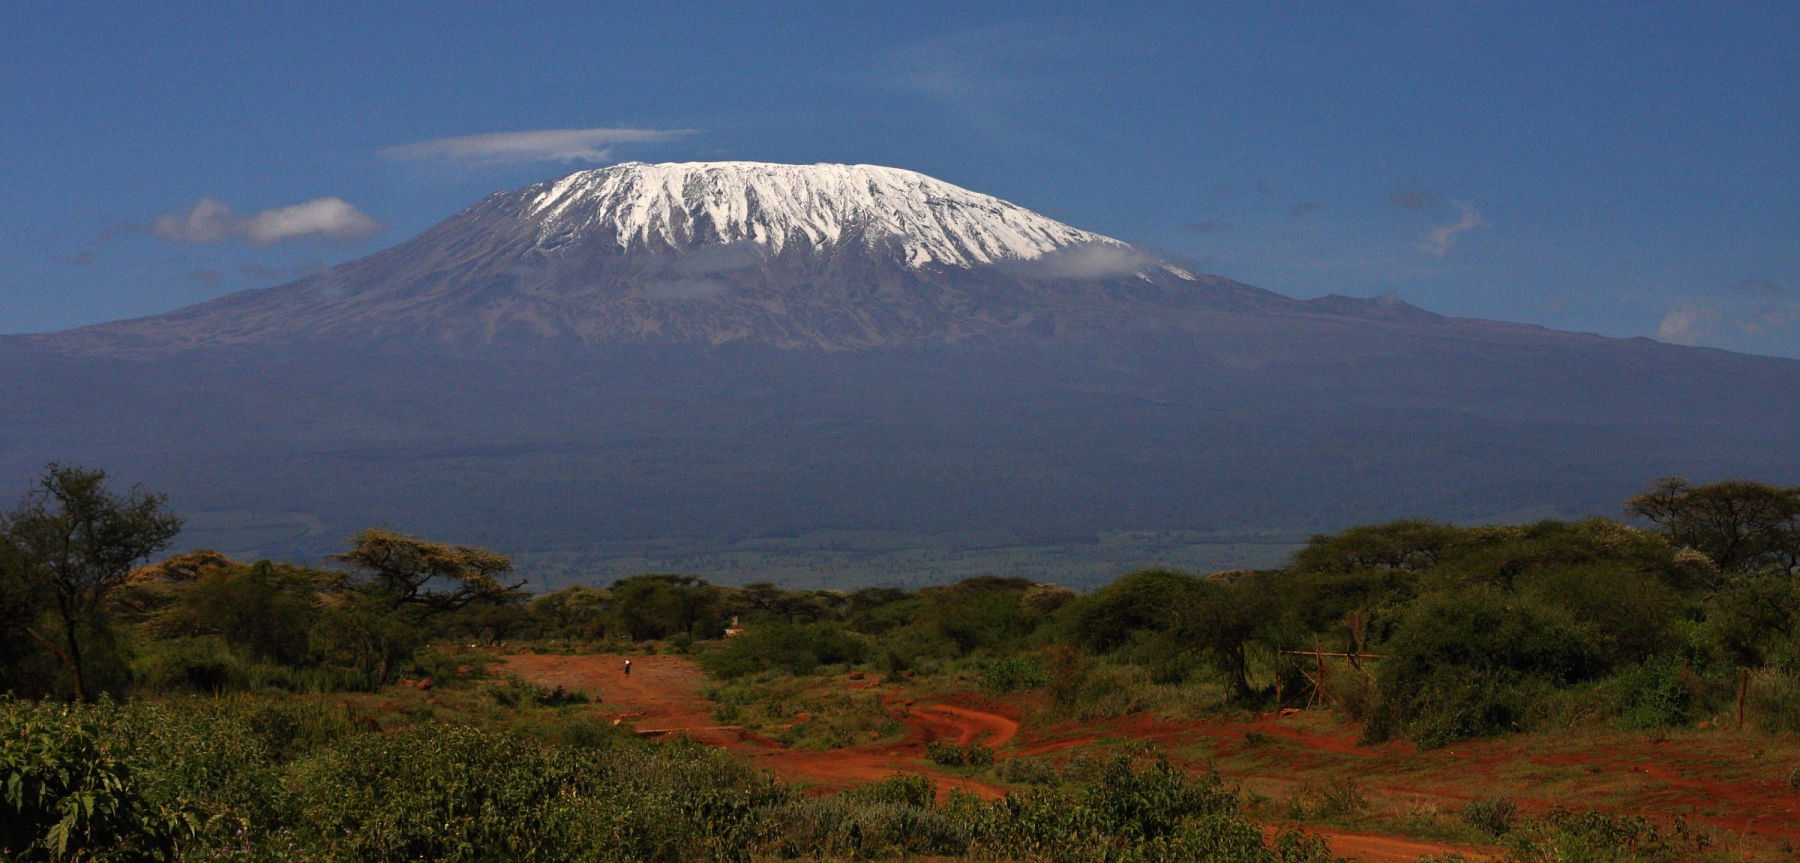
[{"x": 1743, "y": 689}]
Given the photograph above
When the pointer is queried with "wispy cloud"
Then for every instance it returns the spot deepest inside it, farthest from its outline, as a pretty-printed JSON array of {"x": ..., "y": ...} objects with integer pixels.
[
  {"x": 1440, "y": 238},
  {"x": 1085, "y": 261},
  {"x": 1753, "y": 314},
  {"x": 1689, "y": 325},
  {"x": 1412, "y": 197},
  {"x": 210, "y": 221},
  {"x": 539, "y": 145}
]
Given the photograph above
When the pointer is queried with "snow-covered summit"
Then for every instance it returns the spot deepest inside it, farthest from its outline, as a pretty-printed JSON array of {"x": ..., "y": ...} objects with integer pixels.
[{"x": 682, "y": 205}]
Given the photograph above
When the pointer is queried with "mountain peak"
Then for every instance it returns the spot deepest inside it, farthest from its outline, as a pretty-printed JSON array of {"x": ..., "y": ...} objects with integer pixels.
[
  {"x": 834, "y": 257},
  {"x": 927, "y": 222}
]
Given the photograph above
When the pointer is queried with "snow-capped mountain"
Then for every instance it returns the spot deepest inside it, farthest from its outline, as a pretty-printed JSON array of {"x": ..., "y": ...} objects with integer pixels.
[
  {"x": 924, "y": 221},
  {"x": 797, "y": 256},
  {"x": 737, "y": 350}
]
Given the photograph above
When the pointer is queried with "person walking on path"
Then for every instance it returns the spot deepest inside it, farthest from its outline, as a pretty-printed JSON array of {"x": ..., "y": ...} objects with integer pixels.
[{"x": 627, "y": 668}]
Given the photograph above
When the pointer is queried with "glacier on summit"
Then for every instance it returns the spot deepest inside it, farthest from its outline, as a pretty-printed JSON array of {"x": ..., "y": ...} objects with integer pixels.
[{"x": 680, "y": 205}]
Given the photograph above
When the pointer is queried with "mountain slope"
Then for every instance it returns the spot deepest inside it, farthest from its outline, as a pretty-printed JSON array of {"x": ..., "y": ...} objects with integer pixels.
[
  {"x": 819, "y": 256},
  {"x": 678, "y": 356}
]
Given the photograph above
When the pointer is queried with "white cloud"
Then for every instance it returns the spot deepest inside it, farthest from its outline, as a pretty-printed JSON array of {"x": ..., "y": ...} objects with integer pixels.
[
  {"x": 1688, "y": 325},
  {"x": 209, "y": 221},
  {"x": 325, "y": 217},
  {"x": 1440, "y": 238},
  {"x": 540, "y": 145},
  {"x": 1085, "y": 261}
]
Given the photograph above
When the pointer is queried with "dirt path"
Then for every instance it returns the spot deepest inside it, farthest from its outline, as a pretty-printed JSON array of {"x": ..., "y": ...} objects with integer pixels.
[
  {"x": 1373, "y": 848},
  {"x": 662, "y": 695}
]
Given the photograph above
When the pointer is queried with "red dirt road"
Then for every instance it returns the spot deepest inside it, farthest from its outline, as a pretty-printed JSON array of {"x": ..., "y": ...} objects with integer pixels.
[{"x": 662, "y": 695}]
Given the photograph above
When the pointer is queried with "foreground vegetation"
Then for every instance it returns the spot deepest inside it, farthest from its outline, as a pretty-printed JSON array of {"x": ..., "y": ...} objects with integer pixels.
[
  {"x": 274, "y": 779},
  {"x": 1411, "y": 630}
]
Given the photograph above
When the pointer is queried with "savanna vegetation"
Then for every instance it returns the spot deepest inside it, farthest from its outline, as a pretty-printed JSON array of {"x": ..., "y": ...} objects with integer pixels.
[{"x": 187, "y": 709}]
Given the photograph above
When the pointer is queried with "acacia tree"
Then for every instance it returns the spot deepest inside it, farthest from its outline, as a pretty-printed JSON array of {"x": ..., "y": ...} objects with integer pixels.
[
  {"x": 430, "y": 576},
  {"x": 398, "y": 583},
  {"x": 75, "y": 541},
  {"x": 1743, "y": 526}
]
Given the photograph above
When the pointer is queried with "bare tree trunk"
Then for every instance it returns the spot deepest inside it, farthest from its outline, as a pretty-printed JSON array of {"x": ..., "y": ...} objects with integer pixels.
[
  {"x": 74, "y": 658},
  {"x": 73, "y": 664}
]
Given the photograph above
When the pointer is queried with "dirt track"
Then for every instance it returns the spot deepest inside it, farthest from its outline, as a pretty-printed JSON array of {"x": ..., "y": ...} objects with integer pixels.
[{"x": 662, "y": 695}]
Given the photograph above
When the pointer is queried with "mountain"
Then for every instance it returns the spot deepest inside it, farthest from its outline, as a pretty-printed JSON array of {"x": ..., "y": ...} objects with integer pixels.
[
  {"x": 714, "y": 363},
  {"x": 835, "y": 257}
]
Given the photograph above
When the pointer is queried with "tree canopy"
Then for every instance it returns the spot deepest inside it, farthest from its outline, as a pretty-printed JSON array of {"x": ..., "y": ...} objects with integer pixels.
[{"x": 73, "y": 541}]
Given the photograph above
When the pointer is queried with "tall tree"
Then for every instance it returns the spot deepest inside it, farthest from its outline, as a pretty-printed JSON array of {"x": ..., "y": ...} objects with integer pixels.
[
  {"x": 75, "y": 540},
  {"x": 1743, "y": 526},
  {"x": 430, "y": 576}
]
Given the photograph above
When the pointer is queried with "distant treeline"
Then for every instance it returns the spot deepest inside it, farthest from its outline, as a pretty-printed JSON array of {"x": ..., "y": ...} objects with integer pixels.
[{"x": 1427, "y": 631}]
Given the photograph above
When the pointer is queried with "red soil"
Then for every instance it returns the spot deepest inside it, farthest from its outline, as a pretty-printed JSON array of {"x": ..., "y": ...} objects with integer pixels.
[
  {"x": 1714, "y": 779},
  {"x": 662, "y": 696}
]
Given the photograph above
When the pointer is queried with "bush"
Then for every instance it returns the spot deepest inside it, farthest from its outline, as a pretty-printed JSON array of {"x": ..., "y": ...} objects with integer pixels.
[
  {"x": 853, "y": 827},
  {"x": 1655, "y": 695},
  {"x": 1605, "y": 838},
  {"x": 908, "y": 789},
  {"x": 1469, "y": 662},
  {"x": 70, "y": 793},
  {"x": 1014, "y": 673},
  {"x": 1338, "y": 799},
  {"x": 797, "y": 650},
  {"x": 1491, "y": 815},
  {"x": 1026, "y": 771},
  {"x": 945, "y": 753},
  {"x": 1773, "y": 700}
]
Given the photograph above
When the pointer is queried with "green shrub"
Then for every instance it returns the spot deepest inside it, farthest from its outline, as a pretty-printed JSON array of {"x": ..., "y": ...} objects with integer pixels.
[
  {"x": 1491, "y": 815},
  {"x": 1338, "y": 799},
  {"x": 1772, "y": 699},
  {"x": 797, "y": 650},
  {"x": 1469, "y": 662},
  {"x": 69, "y": 791},
  {"x": 945, "y": 753},
  {"x": 1014, "y": 673},
  {"x": 909, "y": 789},
  {"x": 1605, "y": 838},
  {"x": 852, "y": 827},
  {"x": 1026, "y": 771},
  {"x": 1655, "y": 695}
]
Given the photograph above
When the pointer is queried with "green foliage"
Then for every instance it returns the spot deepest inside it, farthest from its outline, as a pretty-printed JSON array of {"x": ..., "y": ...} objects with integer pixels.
[
  {"x": 1013, "y": 673},
  {"x": 69, "y": 793},
  {"x": 982, "y": 612},
  {"x": 1140, "y": 601},
  {"x": 72, "y": 541},
  {"x": 659, "y": 606},
  {"x": 1598, "y": 837},
  {"x": 1494, "y": 816},
  {"x": 1744, "y": 527},
  {"x": 1401, "y": 545},
  {"x": 432, "y": 576},
  {"x": 947, "y": 754},
  {"x": 793, "y": 649},
  {"x": 904, "y": 789},
  {"x": 1463, "y": 663},
  {"x": 1335, "y": 801},
  {"x": 1656, "y": 695}
]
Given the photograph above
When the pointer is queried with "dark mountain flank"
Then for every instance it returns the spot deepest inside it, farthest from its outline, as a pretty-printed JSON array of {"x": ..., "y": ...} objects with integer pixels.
[{"x": 707, "y": 353}]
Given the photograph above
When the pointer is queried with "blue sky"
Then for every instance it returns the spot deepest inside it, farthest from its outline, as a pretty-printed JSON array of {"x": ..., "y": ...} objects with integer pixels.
[{"x": 1631, "y": 169}]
